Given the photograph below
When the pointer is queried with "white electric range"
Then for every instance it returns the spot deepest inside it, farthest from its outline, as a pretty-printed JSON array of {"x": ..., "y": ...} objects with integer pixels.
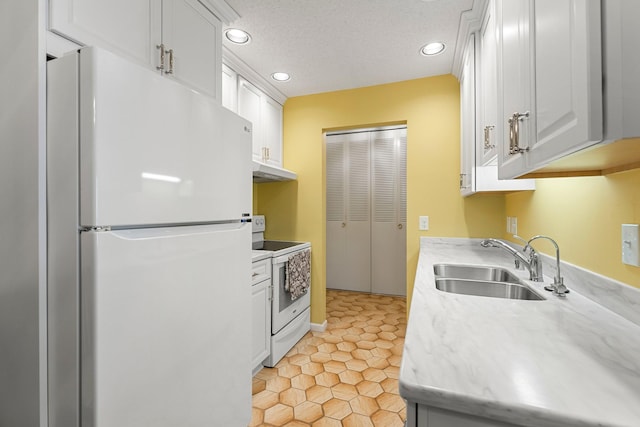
[{"x": 290, "y": 318}]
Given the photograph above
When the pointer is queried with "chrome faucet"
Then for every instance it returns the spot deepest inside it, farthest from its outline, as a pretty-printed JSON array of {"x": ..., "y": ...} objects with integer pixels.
[
  {"x": 558, "y": 287},
  {"x": 532, "y": 262}
]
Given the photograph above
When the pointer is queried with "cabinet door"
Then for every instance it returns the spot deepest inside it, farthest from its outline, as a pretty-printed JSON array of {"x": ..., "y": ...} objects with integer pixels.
[
  {"x": 122, "y": 26},
  {"x": 568, "y": 78},
  {"x": 193, "y": 33},
  {"x": 468, "y": 120},
  {"x": 261, "y": 322},
  {"x": 272, "y": 130},
  {"x": 249, "y": 99},
  {"x": 229, "y": 89},
  {"x": 550, "y": 67},
  {"x": 515, "y": 74},
  {"x": 488, "y": 81}
]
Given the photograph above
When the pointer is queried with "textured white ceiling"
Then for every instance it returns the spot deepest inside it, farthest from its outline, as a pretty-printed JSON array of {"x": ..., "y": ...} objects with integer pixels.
[{"x": 329, "y": 45}]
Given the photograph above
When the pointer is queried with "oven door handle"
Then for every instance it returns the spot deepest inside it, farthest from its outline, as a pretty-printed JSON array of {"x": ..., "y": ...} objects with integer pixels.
[{"x": 283, "y": 259}]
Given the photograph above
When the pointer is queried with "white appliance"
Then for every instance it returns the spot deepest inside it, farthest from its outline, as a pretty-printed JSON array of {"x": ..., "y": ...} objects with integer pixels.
[
  {"x": 290, "y": 319},
  {"x": 148, "y": 198}
]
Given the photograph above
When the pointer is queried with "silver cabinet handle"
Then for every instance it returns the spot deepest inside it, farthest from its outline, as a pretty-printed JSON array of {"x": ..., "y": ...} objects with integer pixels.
[
  {"x": 399, "y": 226},
  {"x": 162, "y": 52},
  {"x": 170, "y": 52},
  {"x": 514, "y": 133},
  {"x": 462, "y": 186},
  {"x": 487, "y": 137}
]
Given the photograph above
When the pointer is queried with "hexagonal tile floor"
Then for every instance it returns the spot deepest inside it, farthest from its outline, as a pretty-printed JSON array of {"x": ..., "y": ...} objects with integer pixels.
[{"x": 345, "y": 376}]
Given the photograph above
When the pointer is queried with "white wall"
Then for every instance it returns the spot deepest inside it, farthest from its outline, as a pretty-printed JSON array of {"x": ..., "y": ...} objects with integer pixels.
[{"x": 21, "y": 213}]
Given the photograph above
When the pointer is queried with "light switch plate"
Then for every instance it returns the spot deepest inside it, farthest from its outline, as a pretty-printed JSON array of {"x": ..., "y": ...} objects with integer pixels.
[
  {"x": 514, "y": 225},
  {"x": 630, "y": 244},
  {"x": 424, "y": 223}
]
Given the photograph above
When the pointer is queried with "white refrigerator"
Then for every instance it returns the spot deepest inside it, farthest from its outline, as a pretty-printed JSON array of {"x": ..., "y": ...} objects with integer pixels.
[{"x": 149, "y": 250}]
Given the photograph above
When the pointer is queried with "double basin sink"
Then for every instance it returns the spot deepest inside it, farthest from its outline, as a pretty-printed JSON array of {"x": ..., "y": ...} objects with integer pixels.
[{"x": 483, "y": 281}]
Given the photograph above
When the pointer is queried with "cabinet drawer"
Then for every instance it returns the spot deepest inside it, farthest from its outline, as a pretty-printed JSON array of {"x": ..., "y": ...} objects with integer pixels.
[{"x": 260, "y": 270}]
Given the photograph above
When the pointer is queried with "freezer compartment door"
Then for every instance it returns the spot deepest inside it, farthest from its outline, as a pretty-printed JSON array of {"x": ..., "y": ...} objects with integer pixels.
[
  {"x": 155, "y": 152},
  {"x": 165, "y": 327}
]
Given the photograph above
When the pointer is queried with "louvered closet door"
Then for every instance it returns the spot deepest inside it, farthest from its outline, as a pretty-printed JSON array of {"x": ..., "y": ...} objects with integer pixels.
[
  {"x": 366, "y": 211},
  {"x": 348, "y": 212},
  {"x": 388, "y": 213}
]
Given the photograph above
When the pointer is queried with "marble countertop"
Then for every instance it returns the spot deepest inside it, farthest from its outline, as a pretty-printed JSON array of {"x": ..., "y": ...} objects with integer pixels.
[{"x": 557, "y": 362}]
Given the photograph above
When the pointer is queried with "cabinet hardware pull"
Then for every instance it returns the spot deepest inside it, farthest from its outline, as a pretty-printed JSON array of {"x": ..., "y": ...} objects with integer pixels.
[
  {"x": 162, "y": 51},
  {"x": 514, "y": 133},
  {"x": 399, "y": 226},
  {"x": 487, "y": 137},
  {"x": 343, "y": 225},
  {"x": 170, "y": 52}
]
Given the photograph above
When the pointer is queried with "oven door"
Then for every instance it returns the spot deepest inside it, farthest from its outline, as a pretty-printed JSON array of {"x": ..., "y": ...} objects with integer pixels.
[{"x": 283, "y": 309}]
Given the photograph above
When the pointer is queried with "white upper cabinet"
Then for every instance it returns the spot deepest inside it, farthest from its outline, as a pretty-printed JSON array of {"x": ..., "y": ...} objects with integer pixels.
[
  {"x": 549, "y": 67},
  {"x": 191, "y": 38},
  {"x": 479, "y": 111},
  {"x": 180, "y": 38},
  {"x": 122, "y": 26},
  {"x": 266, "y": 116},
  {"x": 488, "y": 90},
  {"x": 272, "y": 130},
  {"x": 229, "y": 89},
  {"x": 468, "y": 119}
]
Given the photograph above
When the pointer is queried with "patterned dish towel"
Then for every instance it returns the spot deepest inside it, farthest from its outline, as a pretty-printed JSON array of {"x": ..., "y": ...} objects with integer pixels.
[{"x": 298, "y": 274}]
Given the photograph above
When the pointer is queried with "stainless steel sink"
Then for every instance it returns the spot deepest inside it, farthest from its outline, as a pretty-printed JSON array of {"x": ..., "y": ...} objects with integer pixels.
[
  {"x": 487, "y": 289},
  {"x": 457, "y": 271},
  {"x": 494, "y": 282}
]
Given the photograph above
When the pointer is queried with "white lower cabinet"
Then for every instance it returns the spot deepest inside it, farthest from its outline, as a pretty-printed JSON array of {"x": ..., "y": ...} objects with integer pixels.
[
  {"x": 261, "y": 313},
  {"x": 426, "y": 416}
]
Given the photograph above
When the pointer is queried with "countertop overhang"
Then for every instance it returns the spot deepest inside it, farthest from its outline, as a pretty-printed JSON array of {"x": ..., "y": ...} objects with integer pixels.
[{"x": 557, "y": 362}]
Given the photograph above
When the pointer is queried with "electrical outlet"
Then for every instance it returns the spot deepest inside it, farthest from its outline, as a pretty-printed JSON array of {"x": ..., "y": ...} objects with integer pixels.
[
  {"x": 514, "y": 225},
  {"x": 630, "y": 244},
  {"x": 508, "y": 224},
  {"x": 424, "y": 223}
]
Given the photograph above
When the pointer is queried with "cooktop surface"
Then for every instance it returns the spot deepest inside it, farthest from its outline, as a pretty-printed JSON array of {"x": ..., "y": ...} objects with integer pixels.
[{"x": 274, "y": 245}]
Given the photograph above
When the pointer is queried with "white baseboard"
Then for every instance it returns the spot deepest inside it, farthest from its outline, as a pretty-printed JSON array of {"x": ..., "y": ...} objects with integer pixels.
[{"x": 319, "y": 327}]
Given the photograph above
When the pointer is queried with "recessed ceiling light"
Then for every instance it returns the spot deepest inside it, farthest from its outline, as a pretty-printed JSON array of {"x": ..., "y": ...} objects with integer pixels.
[
  {"x": 281, "y": 77},
  {"x": 432, "y": 49},
  {"x": 237, "y": 36}
]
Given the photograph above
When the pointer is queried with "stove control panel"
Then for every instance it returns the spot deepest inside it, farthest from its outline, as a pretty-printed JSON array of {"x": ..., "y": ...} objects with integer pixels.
[{"x": 258, "y": 223}]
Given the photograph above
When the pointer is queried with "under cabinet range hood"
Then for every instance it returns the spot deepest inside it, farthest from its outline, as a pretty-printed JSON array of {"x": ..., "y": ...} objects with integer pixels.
[{"x": 267, "y": 173}]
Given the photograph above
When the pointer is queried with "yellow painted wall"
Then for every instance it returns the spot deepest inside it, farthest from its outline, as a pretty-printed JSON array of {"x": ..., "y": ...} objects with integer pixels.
[
  {"x": 584, "y": 216},
  {"x": 430, "y": 108}
]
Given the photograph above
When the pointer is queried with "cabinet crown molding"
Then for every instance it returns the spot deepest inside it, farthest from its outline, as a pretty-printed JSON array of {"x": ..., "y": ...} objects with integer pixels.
[
  {"x": 222, "y": 10},
  {"x": 239, "y": 66},
  {"x": 470, "y": 21}
]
